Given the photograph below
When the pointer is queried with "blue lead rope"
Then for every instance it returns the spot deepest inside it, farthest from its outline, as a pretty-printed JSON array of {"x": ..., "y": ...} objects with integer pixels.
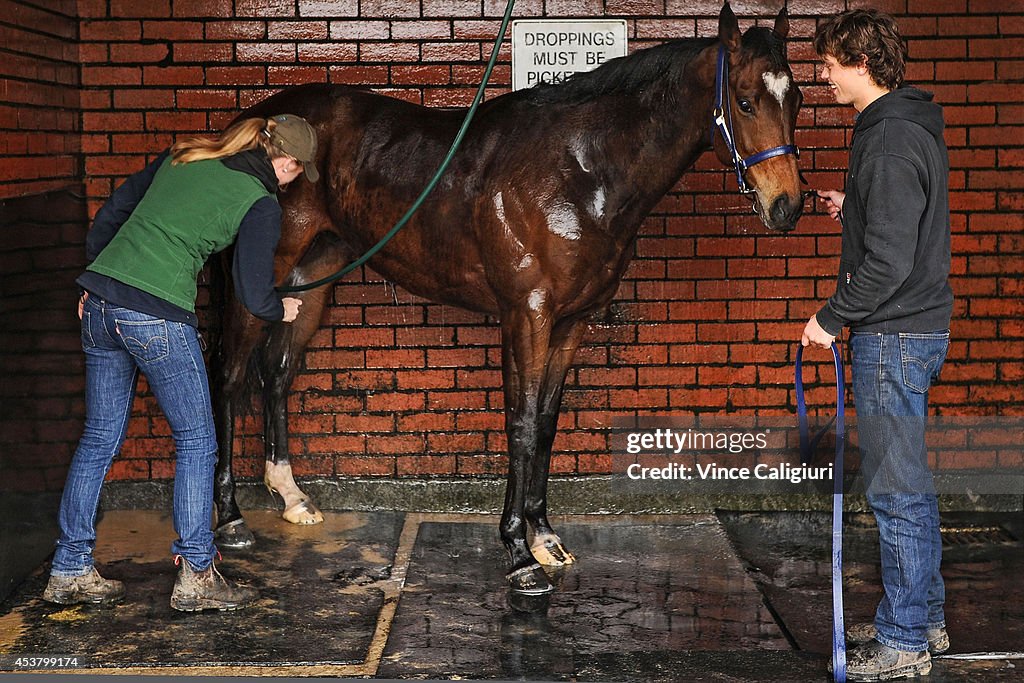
[{"x": 807, "y": 446}]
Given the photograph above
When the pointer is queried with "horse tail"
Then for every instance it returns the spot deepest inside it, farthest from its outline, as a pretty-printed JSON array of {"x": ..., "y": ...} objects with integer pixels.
[
  {"x": 216, "y": 299},
  {"x": 232, "y": 379}
]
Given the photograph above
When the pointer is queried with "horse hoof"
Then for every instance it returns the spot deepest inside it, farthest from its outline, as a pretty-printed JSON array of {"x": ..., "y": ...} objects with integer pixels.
[
  {"x": 234, "y": 536},
  {"x": 303, "y": 513},
  {"x": 529, "y": 604},
  {"x": 548, "y": 550},
  {"x": 530, "y": 580}
]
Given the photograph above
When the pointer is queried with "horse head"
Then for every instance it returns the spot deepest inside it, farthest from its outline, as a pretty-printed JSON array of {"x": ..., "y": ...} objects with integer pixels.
[{"x": 755, "y": 117}]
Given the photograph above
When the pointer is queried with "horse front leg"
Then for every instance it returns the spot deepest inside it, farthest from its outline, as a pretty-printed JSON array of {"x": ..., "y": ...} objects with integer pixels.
[
  {"x": 524, "y": 352},
  {"x": 546, "y": 546}
]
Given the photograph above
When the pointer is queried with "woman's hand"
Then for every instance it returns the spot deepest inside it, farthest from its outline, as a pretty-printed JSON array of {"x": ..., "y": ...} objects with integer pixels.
[
  {"x": 81, "y": 303},
  {"x": 291, "y": 308},
  {"x": 833, "y": 201}
]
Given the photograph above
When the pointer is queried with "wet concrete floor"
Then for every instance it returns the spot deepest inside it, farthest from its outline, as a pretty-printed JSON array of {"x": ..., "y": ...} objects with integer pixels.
[{"x": 727, "y": 597}]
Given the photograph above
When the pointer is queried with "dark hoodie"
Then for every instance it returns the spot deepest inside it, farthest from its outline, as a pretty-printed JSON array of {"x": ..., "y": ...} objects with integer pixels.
[{"x": 894, "y": 267}]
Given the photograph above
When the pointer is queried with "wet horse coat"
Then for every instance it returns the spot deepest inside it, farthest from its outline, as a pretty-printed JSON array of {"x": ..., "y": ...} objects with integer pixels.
[{"x": 534, "y": 222}]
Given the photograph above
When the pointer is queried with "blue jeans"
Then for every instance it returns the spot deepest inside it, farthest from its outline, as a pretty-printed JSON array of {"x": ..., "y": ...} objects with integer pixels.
[
  {"x": 118, "y": 343},
  {"x": 891, "y": 377}
]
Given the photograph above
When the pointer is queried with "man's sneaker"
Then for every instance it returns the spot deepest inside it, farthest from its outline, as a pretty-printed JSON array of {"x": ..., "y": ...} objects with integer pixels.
[
  {"x": 194, "y": 591},
  {"x": 89, "y": 588},
  {"x": 938, "y": 639},
  {"x": 874, "y": 661}
]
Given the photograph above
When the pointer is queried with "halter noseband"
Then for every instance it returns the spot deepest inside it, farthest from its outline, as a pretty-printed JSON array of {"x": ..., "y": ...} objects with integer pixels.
[{"x": 719, "y": 121}]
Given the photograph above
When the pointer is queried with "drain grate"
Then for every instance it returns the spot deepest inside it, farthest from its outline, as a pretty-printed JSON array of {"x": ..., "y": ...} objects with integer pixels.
[{"x": 976, "y": 535}]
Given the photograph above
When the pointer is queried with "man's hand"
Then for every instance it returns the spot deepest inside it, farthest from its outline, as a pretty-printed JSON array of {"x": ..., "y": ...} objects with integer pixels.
[
  {"x": 815, "y": 336},
  {"x": 833, "y": 201},
  {"x": 291, "y": 308},
  {"x": 81, "y": 303}
]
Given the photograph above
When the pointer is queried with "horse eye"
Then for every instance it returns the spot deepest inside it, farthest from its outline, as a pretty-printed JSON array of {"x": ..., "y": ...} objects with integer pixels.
[{"x": 746, "y": 107}]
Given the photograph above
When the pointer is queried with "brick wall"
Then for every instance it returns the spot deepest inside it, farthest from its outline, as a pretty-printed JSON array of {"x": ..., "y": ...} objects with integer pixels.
[
  {"x": 41, "y": 366},
  {"x": 41, "y": 237},
  {"x": 707, "y": 314},
  {"x": 39, "y": 125}
]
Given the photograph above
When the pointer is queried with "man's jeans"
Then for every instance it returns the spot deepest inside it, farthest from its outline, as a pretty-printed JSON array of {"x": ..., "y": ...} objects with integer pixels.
[
  {"x": 891, "y": 377},
  {"x": 118, "y": 342}
]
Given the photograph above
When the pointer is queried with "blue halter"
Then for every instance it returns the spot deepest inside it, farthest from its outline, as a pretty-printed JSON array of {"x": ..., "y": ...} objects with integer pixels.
[{"x": 725, "y": 128}]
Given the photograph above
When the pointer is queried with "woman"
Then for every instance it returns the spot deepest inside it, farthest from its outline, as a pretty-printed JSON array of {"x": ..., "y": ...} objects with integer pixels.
[{"x": 146, "y": 247}]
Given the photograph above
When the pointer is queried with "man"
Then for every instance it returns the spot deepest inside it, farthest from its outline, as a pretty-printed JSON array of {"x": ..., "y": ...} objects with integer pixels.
[{"x": 894, "y": 294}]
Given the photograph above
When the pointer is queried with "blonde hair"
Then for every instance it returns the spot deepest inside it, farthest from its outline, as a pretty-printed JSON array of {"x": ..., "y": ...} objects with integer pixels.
[{"x": 241, "y": 136}]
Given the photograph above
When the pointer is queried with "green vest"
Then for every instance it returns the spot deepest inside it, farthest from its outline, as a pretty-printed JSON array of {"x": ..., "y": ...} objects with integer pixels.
[{"x": 189, "y": 212}]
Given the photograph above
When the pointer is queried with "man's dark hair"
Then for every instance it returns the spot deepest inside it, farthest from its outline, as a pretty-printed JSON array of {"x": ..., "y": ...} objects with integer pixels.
[{"x": 851, "y": 36}]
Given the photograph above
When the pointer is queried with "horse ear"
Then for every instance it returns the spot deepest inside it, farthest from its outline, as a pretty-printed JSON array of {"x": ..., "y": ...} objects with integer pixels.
[
  {"x": 782, "y": 23},
  {"x": 728, "y": 29}
]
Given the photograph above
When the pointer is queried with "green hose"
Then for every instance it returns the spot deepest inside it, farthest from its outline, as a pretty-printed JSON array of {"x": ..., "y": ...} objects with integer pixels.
[{"x": 433, "y": 181}]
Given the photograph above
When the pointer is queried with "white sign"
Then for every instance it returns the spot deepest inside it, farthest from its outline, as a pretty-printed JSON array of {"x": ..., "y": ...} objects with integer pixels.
[{"x": 551, "y": 50}]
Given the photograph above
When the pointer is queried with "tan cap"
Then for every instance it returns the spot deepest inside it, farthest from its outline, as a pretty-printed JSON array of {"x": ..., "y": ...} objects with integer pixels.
[{"x": 296, "y": 138}]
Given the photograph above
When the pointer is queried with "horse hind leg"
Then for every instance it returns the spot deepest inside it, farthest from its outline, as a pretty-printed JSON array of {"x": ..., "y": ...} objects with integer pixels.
[
  {"x": 279, "y": 361},
  {"x": 232, "y": 348},
  {"x": 546, "y": 546},
  {"x": 277, "y": 473}
]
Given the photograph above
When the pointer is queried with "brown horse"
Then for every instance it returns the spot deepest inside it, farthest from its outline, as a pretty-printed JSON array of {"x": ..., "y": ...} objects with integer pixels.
[{"x": 534, "y": 222}]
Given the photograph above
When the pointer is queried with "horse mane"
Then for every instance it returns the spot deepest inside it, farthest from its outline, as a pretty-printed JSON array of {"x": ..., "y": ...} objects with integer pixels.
[
  {"x": 629, "y": 75},
  {"x": 635, "y": 74}
]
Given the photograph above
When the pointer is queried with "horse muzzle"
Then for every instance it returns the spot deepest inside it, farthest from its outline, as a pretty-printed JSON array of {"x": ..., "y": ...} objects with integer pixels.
[{"x": 784, "y": 212}]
